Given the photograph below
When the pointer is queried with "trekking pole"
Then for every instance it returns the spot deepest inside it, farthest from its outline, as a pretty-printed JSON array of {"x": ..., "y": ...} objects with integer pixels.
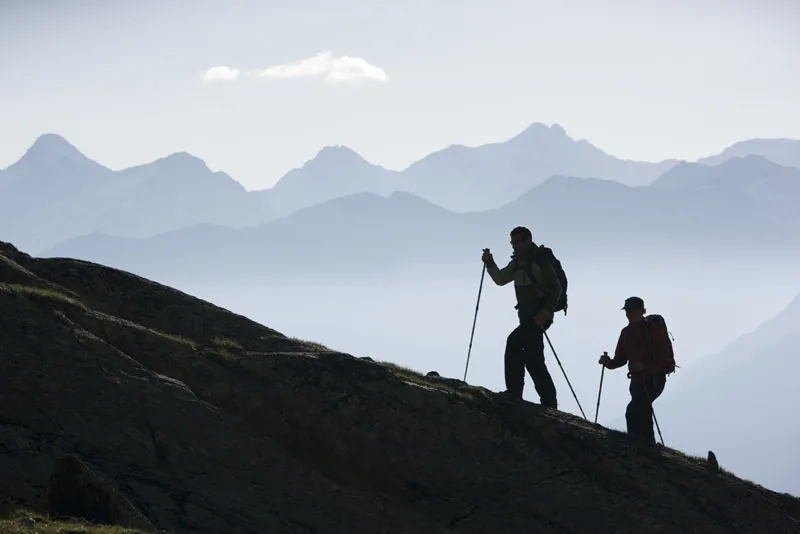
[
  {"x": 657, "y": 427},
  {"x": 653, "y": 411},
  {"x": 602, "y": 372},
  {"x": 480, "y": 288},
  {"x": 565, "y": 375}
]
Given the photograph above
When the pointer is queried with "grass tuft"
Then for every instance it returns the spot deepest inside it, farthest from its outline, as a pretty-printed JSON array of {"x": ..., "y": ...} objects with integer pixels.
[
  {"x": 402, "y": 370},
  {"x": 226, "y": 343},
  {"x": 25, "y": 522},
  {"x": 413, "y": 376},
  {"x": 311, "y": 344},
  {"x": 41, "y": 292},
  {"x": 178, "y": 339}
]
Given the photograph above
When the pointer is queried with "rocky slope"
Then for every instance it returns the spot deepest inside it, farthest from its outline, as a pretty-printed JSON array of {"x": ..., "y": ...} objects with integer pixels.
[{"x": 127, "y": 402}]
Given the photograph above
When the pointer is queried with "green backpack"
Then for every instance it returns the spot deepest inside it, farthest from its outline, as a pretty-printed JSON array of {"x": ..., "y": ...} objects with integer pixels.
[{"x": 545, "y": 253}]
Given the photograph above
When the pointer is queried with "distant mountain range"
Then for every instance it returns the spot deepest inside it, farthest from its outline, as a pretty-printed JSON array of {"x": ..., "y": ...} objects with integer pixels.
[
  {"x": 757, "y": 183},
  {"x": 463, "y": 178},
  {"x": 742, "y": 404},
  {"x": 694, "y": 211},
  {"x": 54, "y": 192},
  {"x": 782, "y": 151}
]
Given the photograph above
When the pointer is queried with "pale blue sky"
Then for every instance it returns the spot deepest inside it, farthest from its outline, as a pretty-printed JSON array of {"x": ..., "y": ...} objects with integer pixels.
[{"x": 123, "y": 80}]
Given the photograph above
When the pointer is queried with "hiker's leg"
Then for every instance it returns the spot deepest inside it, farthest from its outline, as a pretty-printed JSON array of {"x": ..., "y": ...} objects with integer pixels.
[
  {"x": 630, "y": 414},
  {"x": 534, "y": 362},
  {"x": 514, "y": 362},
  {"x": 636, "y": 413},
  {"x": 655, "y": 386},
  {"x": 640, "y": 413}
]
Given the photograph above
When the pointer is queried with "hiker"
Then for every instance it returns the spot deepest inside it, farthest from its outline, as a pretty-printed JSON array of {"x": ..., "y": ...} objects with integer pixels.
[
  {"x": 643, "y": 344},
  {"x": 538, "y": 291}
]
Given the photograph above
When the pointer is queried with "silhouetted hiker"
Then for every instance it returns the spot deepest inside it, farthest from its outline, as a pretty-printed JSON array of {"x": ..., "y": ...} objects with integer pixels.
[
  {"x": 538, "y": 291},
  {"x": 645, "y": 346}
]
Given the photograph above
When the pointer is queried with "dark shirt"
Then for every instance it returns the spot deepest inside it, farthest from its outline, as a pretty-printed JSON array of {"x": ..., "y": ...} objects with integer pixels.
[{"x": 643, "y": 358}]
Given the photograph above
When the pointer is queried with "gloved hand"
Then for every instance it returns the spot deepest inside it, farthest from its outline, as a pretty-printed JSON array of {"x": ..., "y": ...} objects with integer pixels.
[{"x": 541, "y": 319}]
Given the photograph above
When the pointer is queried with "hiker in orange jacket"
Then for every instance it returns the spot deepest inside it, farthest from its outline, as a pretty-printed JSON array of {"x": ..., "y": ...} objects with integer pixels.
[{"x": 645, "y": 347}]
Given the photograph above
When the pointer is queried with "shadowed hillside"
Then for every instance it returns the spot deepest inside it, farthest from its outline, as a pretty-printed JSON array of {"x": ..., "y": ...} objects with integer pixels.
[{"x": 127, "y": 402}]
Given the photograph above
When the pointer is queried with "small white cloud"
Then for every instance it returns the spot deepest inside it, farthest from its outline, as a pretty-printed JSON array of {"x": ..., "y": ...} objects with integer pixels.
[
  {"x": 221, "y": 74},
  {"x": 335, "y": 69}
]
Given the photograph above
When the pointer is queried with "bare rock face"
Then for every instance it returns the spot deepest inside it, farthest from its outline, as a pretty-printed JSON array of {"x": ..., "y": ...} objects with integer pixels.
[
  {"x": 713, "y": 464},
  {"x": 127, "y": 402},
  {"x": 76, "y": 492}
]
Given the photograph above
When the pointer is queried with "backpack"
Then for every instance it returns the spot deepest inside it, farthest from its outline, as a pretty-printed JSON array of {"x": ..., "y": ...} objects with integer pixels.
[
  {"x": 659, "y": 320},
  {"x": 547, "y": 254}
]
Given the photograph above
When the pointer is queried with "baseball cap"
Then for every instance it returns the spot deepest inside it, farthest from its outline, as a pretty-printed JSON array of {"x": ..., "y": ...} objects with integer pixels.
[{"x": 633, "y": 303}]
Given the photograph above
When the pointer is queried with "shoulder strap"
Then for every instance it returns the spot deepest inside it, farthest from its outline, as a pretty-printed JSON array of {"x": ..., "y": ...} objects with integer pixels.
[
  {"x": 528, "y": 264},
  {"x": 529, "y": 271}
]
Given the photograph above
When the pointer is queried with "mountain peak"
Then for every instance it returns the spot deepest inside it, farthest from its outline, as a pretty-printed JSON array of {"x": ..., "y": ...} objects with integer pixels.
[
  {"x": 334, "y": 158},
  {"x": 539, "y": 131},
  {"x": 183, "y": 161},
  {"x": 50, "y": 148},
  {"x": 748, "y": 164},
  {"x": 748, "y": 160},
  {"x": 337, "y": 154},
  {"x": 759, "y": 144},
  {"x": 736, "y": 171},
  {"x": 783, "y": 151}
]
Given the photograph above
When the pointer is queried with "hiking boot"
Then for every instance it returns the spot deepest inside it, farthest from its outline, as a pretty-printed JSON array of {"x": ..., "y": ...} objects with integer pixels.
[
  {"x": 510, "y": 395},
  {"x": 552, "y": 404},
  {"x": 644, "y": 448}
]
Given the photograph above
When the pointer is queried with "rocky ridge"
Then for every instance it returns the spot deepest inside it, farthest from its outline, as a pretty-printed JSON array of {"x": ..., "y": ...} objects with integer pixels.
[{"x": 126, "y": 402}]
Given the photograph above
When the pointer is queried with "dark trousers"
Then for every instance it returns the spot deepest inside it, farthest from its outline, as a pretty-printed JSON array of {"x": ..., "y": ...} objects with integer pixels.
[
  {"x": 639, "y": 414},
  {"x": 525, "y": 350}
]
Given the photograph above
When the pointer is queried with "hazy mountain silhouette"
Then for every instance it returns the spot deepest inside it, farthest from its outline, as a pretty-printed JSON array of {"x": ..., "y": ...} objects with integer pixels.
[
  {"x": 334, "y": 172},
  {"x": 51, "y": 170},
  {"x": 742, "y": 403},
  {"x": 583, "y": 217},
  {"x": 476, "y": 178},
  {"x": 459, "y": 178},
  {"x": 173, "y": 192},
  {"x": 754, "y": 182},
  {"x": 359, "y": 233},
  {"x": 54, "y": 192},
  {"x": 781, "y": 151}
]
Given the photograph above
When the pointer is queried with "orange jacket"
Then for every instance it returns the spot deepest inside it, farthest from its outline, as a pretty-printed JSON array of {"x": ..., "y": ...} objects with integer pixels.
[{"x": 643, "y": 358}]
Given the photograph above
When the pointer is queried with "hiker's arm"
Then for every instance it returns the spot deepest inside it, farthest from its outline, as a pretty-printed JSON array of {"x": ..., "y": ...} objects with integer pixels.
[
  {"x": 620, "y": 357},
  {"x": 500, "y": 276}
]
